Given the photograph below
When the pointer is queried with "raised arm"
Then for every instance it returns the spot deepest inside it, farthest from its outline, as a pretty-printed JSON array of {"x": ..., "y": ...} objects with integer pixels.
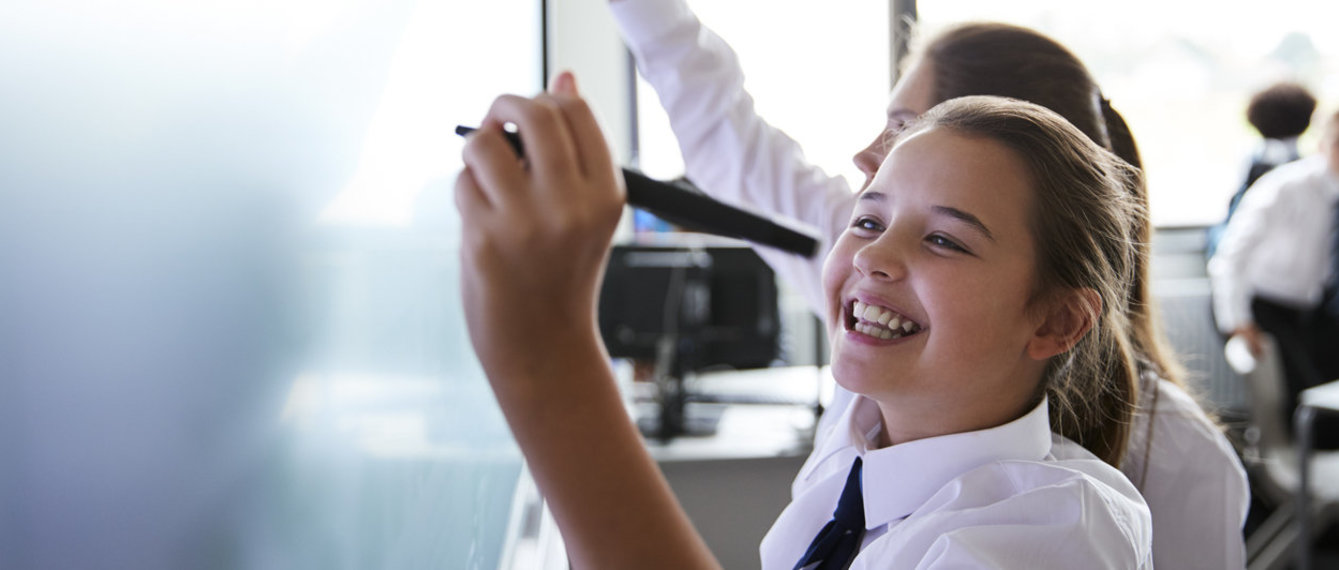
[
  {"x": 536, "y": 238},
  {"x": 728, "y": 150}
]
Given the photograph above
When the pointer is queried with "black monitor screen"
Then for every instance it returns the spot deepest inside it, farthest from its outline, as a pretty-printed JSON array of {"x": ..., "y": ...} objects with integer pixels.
[{"x": 717, "y": 301}]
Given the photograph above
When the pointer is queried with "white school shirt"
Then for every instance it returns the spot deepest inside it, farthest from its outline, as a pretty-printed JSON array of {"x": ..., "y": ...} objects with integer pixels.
[
  {"x": 1183, "y": 462},
  {"x": 1277, "y": 244},
  {"x": 1012, "y": 496},
  {"x": 1195, "y": 484}
]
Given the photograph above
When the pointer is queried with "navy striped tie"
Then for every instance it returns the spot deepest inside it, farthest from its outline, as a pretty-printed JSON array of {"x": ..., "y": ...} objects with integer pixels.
[{"x": 837, "y": 544}]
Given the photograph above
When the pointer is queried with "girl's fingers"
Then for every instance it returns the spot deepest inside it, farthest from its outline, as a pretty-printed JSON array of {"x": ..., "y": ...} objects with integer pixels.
[
  {"x": 564, "y": 84},
  {"x": 544, "y": 133},
  {"x": 470, "y": 198},
  {"x": 588, "y": 143},
  {"x": 496, "y": 171}
]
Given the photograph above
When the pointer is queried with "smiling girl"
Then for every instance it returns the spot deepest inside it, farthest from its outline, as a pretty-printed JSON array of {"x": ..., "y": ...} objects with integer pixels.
[
  {"x": 970, "y": 293},
  {"x": 975, "y": 303}
]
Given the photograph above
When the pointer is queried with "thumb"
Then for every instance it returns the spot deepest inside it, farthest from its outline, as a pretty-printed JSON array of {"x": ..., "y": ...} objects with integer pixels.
[{"x": 563, "y": 84}]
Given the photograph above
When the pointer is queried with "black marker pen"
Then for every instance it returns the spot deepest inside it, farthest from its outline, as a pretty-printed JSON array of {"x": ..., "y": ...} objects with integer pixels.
[{"x": 699, "y": 212}]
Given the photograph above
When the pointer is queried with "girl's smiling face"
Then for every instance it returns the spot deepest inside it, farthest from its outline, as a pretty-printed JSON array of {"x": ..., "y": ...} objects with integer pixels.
[{"x": 929, "y": 288}]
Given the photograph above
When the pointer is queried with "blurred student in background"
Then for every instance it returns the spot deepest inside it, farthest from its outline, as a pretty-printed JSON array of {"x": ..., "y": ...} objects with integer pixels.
[
  {"x": 1275, "y": 271},
  {"x": 1280, "y": 113}
]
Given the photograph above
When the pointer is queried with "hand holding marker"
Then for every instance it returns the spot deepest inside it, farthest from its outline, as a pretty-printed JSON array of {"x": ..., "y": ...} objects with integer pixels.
[{"x": 698, "y": 212}]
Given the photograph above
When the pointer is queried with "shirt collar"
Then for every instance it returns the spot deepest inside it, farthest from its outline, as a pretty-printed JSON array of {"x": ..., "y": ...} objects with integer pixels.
[
  {"x": 900, "y": 478},
  {"x": 858, "y": 425},
  {"x": 1279, "y": 151}
]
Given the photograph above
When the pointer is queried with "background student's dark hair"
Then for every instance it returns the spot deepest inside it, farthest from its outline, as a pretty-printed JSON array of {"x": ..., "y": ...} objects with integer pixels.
[
  {"x": 1281, "y": 111},
  {"x": 1084, "y": 212},
  {"x": 990, "y": 58}
]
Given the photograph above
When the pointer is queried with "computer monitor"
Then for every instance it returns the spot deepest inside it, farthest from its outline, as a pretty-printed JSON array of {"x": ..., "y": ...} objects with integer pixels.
[
  {"x": 717, "y": 297},
  {"x": 689, "y": 304}
]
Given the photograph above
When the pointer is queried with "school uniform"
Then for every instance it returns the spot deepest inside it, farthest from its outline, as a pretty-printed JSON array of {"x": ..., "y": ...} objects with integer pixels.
[
  {"x": 1011, "y": 496},
  {"x": 1178, "y": 459},
  {"x": 1191, "y": 478},
  {"x": 1274, "y": 268},
  {"x": 1278, "y": 244},
  {"x": 1271, "y": 154},
  {"x": 1194, "y": 482}
]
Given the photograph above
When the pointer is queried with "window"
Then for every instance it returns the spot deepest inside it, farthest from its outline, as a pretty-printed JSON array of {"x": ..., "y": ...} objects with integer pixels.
[
  {"x": 1181, "y": 72},
  {"x": 817, "y": 70},
  {"x": 820, "y": 71}
]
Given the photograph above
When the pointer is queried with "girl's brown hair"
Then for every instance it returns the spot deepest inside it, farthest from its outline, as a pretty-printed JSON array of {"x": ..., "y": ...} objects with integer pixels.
[
  {"x": 1083, "y": 220},
  {"x": 988, "y": 58}
]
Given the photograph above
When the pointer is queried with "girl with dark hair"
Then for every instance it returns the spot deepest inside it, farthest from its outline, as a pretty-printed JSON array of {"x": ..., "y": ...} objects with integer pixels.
[
  {"x": 975, "y": 300},
  {"x": 1175, "y": 454}
]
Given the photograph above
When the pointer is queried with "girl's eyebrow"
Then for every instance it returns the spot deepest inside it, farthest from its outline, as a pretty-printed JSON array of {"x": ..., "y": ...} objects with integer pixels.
[
  {"x": 961, "y": 215},
  {"x": 965, "y": 217},
  {"x": 902, "y": 114}
]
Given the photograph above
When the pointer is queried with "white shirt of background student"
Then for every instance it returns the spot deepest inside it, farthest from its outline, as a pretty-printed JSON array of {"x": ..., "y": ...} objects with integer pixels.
[{"x": 1278, "y": 243}]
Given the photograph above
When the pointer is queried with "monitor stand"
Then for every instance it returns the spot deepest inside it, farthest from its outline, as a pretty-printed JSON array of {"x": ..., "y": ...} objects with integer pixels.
[{"x": 674, "y": 414}]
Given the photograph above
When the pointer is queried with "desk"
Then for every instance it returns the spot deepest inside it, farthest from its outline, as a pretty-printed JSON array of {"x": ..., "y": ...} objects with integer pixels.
[
  {"x": 734, "y": 483},
  {"x": 759, "y": 413},
  {"x": 1324, "y": 397}
]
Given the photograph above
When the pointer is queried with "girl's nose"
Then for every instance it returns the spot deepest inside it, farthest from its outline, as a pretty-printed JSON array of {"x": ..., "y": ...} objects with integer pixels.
[
  {"x": 881, "y": 259},
  {"x": 869, "y": 159}
]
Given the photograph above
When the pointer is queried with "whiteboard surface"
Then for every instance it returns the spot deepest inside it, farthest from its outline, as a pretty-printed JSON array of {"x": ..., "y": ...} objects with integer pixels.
[{"x": 230, "y": 332}]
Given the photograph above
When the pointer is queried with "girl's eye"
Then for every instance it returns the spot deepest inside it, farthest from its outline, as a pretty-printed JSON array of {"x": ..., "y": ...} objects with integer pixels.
[
  {"x": 944, "y": 242},
  {"x": 867, "y": 224}
]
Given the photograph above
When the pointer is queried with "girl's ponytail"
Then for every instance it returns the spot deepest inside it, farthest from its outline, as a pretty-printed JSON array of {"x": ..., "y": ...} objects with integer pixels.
[
  {"x": 1149, "y": 340},
  {"x": 1118, "y": 132}
]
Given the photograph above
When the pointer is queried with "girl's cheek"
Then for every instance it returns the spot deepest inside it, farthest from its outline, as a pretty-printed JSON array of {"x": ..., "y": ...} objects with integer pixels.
[
  {"x": 838, "y": 263},
  {"x": 836, "y": 270}
]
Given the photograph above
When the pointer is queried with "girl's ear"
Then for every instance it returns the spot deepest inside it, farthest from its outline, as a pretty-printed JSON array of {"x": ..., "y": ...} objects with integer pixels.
[{"x": 1067, "y": 320}]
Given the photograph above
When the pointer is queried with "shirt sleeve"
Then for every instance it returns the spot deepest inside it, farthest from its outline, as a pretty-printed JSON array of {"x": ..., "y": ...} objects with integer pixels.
[
  {"x": 1229, "y": 269},
  {"x": 728, "y": 150},
  {"x": 1209, "y": 534},
  {"x": 1196, "y": 489},
  {"x": 1035, "y": 547},
  {"x": 1069, "y": 522}
]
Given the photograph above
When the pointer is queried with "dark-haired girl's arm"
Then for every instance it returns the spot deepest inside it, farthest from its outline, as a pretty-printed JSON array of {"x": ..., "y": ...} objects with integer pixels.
[{"x": 730, "y": 151}]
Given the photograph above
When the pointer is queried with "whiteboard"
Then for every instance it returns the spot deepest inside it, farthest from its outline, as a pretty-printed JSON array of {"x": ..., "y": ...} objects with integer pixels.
[{"x": 230, "y": 332}]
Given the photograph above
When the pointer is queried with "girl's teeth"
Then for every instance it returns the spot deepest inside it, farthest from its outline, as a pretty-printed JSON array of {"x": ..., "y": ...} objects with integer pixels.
[
  {"x": 884, "y": 317},
  {"x": 877, "y": 332},
  {"x": 871, "y": 313}
]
